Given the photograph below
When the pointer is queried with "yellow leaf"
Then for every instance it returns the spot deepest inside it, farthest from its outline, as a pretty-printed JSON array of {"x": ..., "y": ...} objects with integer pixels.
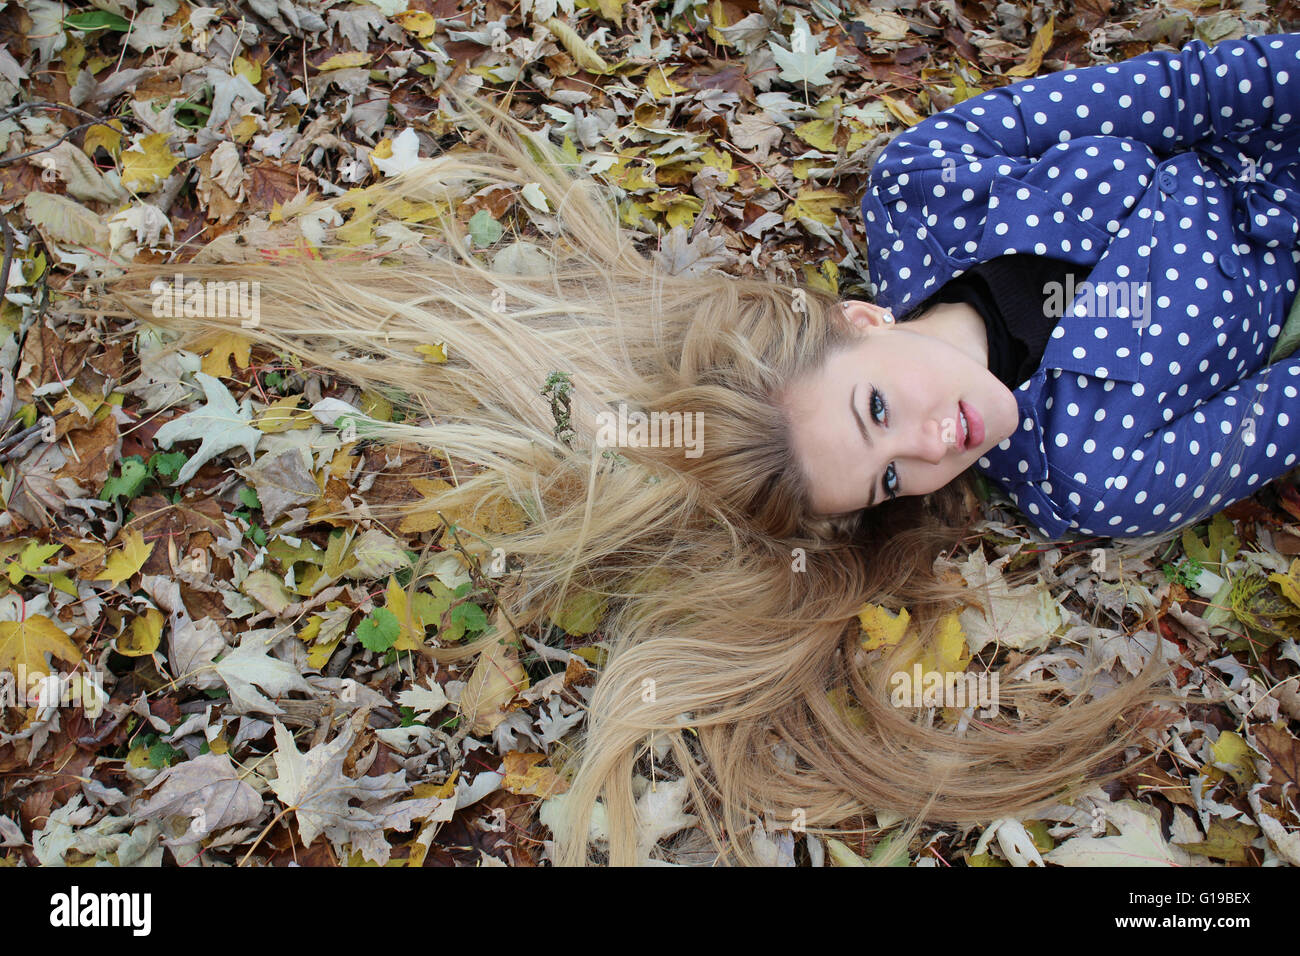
[
  {"x": 245, "y": 129},
  {"x": 107, "y": 135},
  {"x": 882, "y": 628},
  {"x": 146, "y": 164},
  {"x": 1232, "y": 751},
  {"x": 435, "y": 354},
  {"x": 496, "y": 678},
  {"x": 950, "y": 653},
  {"x": 283, "y": 415},
  {"x": 422, "y": 791},
  {"x": 824, "y": 276},
  {"x": 143, "y": 636},
  {"x": 818, "y": 205},
  {"x": 417, "y": 23},
  {"x": 523, "y": 776},
  {"x": 247, "y": 69},
  {"x": 359, "y": 229},
  {"x": 580, "y": 614},
  {"x": 497, "y": 516},
  {"x": 1042, "y": 40},
  {"x": 344, "y": 61},
  {"x": 586, "y": 58},
  {"x": 906, "y": 115},
  {"x": 225, "y": 346},
  {"x": 125, "y": 562},
  {"x": 658, "y": 83},
  {"x": 718, "y": 20},
  {"x": 320, "y": 654},
  {"x": 427, "y": 612},
  {"x": 1289, "y": 583},
  {"x": 383, "y": 150},
  {"x": 819, "y": 134},
  {"x": 25, "y": 643},
  {"x": 612, "y": 10}
]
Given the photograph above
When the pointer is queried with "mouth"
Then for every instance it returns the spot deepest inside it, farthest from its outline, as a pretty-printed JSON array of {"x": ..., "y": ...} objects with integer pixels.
[{"x": 972, "y": 426}]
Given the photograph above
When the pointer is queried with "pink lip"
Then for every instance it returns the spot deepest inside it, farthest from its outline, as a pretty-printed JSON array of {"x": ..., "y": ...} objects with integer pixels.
[{"x": 975, "y": 436}]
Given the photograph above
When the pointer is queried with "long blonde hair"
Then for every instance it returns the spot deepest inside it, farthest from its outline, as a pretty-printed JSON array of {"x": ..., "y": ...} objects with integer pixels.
[{"x": 726, "y": 595}]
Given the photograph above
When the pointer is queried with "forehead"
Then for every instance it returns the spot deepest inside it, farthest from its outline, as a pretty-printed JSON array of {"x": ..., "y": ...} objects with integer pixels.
[{"x": 824, "y": 434}]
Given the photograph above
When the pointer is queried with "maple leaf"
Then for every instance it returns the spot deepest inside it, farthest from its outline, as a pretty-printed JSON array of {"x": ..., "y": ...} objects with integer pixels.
[
  {"x": 143, "y": 637},
  {"x": 24, "y": 644},
  {"x": 680, "y": 256},
  {"x": 802, "y": 63},
  {"x": 314, "y": 786},
  {"x": 219, "y": 425},
  {"x": 1139, "y": 843},
  {"x": 249, "y": 664},
  {"x": 492, "y": 516},
  {"x": 523, "y": 776},
  {"x": 224, "y": 347},
  {"x": 1023, "y": 618},
  {"x": 495, "y": 680},
  {"x": 207, "y": 789},
  {"x": 394, "y": 156},
  {"x": 30, "y": 561},
  {"x": 147, "y": 163},
  {"x": 425, "y": 701},
  {"x": 128, "y": 560}
]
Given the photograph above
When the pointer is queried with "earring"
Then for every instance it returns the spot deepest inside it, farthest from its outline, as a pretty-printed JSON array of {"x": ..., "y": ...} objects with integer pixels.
[{"x": 888, "y": 317}]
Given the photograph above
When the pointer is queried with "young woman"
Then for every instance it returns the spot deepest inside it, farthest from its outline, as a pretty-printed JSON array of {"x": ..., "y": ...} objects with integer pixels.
[
  {"x": 734, "y": 575},
  {"x": 1126, "y": 238}
]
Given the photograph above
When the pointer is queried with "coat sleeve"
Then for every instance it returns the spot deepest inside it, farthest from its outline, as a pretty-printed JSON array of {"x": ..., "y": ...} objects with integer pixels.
[
  {"x": 1218, "y": 452},
  {"x": 1166, "y": 101}
]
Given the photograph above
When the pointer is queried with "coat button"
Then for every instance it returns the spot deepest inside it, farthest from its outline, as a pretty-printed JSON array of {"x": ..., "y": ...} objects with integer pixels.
[
  {"x": 1229, "y": 265},
  {"x": 1168, "y": 181}
]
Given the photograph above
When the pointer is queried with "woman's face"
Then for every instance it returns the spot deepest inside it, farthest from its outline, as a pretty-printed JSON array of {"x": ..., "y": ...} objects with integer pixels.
[{"x": 902, "y": 411}]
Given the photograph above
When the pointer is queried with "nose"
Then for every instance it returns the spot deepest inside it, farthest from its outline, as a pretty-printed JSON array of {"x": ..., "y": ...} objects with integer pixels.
[{"x": 936, "y": 439}]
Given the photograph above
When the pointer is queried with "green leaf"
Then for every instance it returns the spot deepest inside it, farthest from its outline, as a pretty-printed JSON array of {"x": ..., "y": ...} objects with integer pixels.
[
  {"x": 483, "y": 229},
  {"x": 886, "y": 854},
  {"x": 1290, "y": 337},
  {"x": 580, "y": 614},
  {"x": 249, "y": 497},
  {"x": 165, "y": 464},
  {"x": 470, "y": 617},
  {"x": 96, "y": 20},
  {"x": 32, "y": 558},
  {"x": 134, "y": 473},
  {"x": 162, "y": 754},
  {"x": 379, "y": 631},
  {"x": 1220, "y": 544}
]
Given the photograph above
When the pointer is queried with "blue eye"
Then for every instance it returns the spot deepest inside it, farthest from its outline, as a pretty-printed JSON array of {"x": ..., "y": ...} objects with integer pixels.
[
  {"x": 879, "y": 407},
  {"x": 880, "y": 412}
]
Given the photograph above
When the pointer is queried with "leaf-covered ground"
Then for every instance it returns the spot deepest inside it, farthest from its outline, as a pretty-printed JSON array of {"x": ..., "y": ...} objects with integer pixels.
[{"x": 263, "y": 697}]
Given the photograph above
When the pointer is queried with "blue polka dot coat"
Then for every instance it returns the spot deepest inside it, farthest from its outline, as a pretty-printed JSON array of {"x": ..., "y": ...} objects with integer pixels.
[{"x": 1174, "y": 176}]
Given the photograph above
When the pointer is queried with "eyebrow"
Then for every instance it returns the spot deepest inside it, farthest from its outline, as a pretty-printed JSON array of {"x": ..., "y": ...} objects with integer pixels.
[{"x": 866, "y": 436}]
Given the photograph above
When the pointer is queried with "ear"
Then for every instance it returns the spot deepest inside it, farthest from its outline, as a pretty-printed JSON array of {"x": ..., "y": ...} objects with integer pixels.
[{"x": 862, "y": 315}]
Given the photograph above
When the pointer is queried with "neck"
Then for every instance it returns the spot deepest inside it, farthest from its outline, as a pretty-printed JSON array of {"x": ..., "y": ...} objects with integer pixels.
[{"x": 958, "y": 324}]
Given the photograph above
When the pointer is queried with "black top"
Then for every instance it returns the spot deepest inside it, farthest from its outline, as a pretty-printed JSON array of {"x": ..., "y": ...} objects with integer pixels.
[{"x": 1011, "y": 293}]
